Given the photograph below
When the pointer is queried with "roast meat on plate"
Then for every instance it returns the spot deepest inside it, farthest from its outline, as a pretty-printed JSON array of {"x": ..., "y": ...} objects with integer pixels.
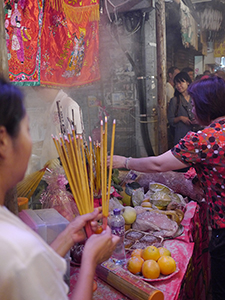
[{"x": 159, "y": 224}]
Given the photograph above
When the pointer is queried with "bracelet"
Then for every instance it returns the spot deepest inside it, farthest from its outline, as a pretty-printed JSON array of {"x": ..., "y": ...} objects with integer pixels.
[{"x": 126, "y": 162}]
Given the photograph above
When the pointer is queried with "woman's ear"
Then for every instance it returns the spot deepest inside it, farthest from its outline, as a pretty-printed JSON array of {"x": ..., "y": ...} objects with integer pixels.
[{"x": 4, "y": 141}]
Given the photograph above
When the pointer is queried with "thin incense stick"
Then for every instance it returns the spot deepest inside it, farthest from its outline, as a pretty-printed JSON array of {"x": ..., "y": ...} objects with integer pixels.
[
  {"x": 111, "y": 158},
  {"x": 105, "y": 162},
  {"x": 102, "y": 164},
  {"x": 91, "y": 183},
  {"x": 86, "y": 186},
  {"x": 76, "y": 171}
]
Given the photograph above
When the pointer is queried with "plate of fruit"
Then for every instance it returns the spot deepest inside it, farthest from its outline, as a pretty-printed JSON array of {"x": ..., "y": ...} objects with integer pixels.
[{"x": 152, "y": 264}]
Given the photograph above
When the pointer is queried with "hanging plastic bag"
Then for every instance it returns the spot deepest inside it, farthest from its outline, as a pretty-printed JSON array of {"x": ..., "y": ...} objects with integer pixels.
[{"x": 56, "y": 196}]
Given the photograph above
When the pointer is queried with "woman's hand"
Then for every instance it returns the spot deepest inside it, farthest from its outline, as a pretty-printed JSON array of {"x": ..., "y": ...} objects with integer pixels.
[
  {"x": 75, "y": 228},
  {"x": 185, "y": 120},
  {"x": 194, "y": 122},
  {"x": 74, "y": 232},
  {"x": 118, "y": 161},
  {"x": 99, "y": 247}
]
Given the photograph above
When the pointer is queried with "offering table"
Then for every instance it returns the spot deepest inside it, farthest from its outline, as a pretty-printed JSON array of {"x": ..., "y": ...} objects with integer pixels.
[{"x": 190, "y": 251}]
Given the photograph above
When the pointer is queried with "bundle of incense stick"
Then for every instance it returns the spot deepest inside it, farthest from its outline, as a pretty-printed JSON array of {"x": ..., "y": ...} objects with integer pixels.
[
  {"x": 85, "y": 181},
  {"x": 28, "y": 185}
]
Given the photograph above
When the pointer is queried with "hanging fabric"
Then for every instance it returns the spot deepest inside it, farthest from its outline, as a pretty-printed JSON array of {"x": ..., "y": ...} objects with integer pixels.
[
  {"x": 70, "y": 43},
  {"x": 23, "y": 19}
]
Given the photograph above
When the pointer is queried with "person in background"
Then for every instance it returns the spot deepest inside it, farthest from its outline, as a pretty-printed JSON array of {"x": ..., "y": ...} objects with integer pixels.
[
  {"x": 205, "y": 152},
  {"x": 220, "y": 73},
  {"x": 190, "y": 72},
  {"x": 206, "y": 72},
  {"x": 62, "y": 112},
  {"x": 199, "y": 76},
  {"x": 180, "y": 116},
  {"x": 30, "y": 268},
  {"x": 172, "y": 72}
]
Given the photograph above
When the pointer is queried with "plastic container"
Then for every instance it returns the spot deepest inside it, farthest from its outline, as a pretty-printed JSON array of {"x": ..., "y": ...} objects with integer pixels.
[
  {"x": 117, "y": 225},
  {"x": 128, "y": 191},
  {"x": 48, "y": 223},
  {"x": 22, "y": 203}
]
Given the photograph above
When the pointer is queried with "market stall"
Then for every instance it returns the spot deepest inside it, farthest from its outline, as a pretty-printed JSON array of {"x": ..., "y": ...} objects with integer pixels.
[
  {"x": 168, "y": 205},
  {"x": 190, "y": 251}
]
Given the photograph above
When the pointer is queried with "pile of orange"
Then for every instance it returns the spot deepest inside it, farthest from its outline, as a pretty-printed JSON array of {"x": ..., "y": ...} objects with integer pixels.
[{"x": 151, "y": 262}]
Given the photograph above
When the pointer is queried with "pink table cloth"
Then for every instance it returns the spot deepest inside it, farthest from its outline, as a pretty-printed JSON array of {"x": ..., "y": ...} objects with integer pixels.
[{"x": 191, "y": 255}]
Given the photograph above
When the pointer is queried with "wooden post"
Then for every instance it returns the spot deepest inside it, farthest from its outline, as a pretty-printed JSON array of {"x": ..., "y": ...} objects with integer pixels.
[
  {"x": 161, "y": 76},
  {"x": 4, "y": 69}
]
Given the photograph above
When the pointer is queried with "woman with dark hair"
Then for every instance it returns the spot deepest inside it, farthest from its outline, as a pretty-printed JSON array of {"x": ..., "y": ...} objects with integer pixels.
[
  {"x": 29, "y": 268},
  {"x": 180, "y": 116},
  {"x": 204, "y": 151}
]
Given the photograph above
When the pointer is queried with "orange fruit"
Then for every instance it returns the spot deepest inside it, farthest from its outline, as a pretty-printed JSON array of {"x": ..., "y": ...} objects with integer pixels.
[
  {"x": 150, "y": 252},
  {"x": 136, "y": 252},
  {"x": 99, "y": 229},
  {"x": 167, "y": 265},
  {"x": 134, "y": 264},
  {"x": 164, "y": 251},
  {"x": 150, "y": 269}
]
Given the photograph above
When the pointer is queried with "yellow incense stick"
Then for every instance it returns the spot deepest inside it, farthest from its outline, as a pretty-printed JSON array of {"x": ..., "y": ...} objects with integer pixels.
[
  {"x": 75, "y": 168},
  {"x": 91, "y": 183},
  {"x": 74, "y": 156},
  {"x": 102, "y": 168},
  {"x": 105, "y": 161},
  {"x": 86, "y": 186},
  {"x": 65, "y": 167},
  {"x": 111, "y": 158},
  {"x": 91, "y": 172}
]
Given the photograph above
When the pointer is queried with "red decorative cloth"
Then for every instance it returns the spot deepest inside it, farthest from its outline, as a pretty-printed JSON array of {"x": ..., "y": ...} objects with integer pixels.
[
  {"x": 22, "y": 29},
  {"x": 70, "y": 43}
]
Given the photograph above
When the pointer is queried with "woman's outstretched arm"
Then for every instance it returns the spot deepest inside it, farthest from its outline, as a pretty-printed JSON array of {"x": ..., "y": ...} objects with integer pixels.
[{"x": 161, "y": 163}]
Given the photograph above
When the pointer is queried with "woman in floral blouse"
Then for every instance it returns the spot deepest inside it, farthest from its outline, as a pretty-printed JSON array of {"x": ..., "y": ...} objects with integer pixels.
[{"x": 204, "y": 151}]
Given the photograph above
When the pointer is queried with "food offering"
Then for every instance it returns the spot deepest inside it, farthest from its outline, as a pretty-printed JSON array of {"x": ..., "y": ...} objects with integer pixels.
[
  {"x": 135, "y": 239},
  {"x": 158, "y": 211},
  {"x": 152, "y": 263}
]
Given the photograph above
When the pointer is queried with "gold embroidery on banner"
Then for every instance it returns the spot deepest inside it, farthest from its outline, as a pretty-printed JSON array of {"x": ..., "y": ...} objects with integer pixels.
[{"x": 81, "y": 14}]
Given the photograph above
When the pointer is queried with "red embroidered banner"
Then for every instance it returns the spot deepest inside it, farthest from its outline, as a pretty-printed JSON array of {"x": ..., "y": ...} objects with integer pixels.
[
  {"x": 70, "y": 43},
  {"x": 22, "y": 19}
]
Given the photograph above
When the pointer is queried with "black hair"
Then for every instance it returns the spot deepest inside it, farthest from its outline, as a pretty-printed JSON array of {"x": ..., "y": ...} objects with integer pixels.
[
  {"x": 171, "y": 70},
  {"x": 12, "y": 109},
  {"x": 206, "y": 72},
  {"x": 187, "y": 69},
  {"x": 208, "y": 95},
  {"x": 181, "y": 77}
]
